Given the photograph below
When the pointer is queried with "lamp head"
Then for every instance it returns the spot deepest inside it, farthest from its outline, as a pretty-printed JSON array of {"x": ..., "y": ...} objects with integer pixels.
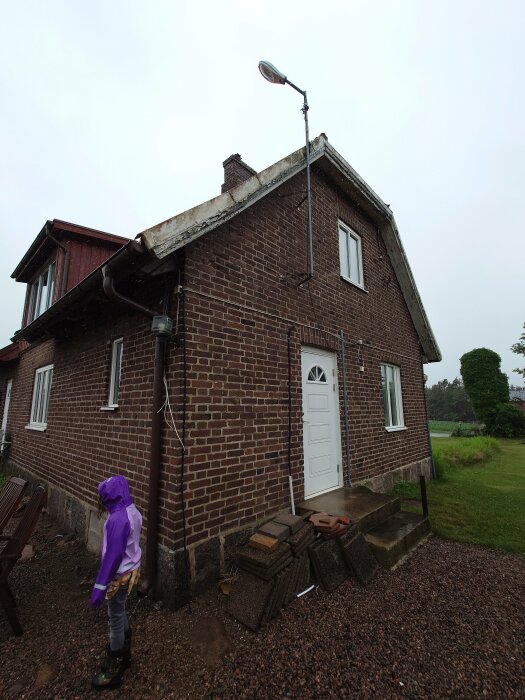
[{"x": 271, "y": 73}]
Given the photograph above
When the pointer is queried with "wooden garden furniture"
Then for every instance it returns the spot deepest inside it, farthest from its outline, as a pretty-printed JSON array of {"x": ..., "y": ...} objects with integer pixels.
[
  {"x": 12, "y": 551},
  {"x": 10, "y": 497}
]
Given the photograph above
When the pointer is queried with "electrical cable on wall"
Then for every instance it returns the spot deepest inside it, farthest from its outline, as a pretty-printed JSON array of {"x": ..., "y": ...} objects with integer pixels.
[
  {"x": 182, "y": 441},
  {"x": 169, "y": 418}
]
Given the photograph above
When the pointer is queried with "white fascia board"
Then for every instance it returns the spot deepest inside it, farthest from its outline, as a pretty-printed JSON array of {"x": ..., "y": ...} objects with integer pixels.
[{"x": 175, "y": 233}]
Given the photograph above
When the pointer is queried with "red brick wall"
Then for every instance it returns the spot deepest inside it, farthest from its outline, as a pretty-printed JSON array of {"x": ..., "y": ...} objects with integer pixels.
[
  {"x": 83, "y": 444},
  {"x": 237, "y": 372},
  {"x": 237, "y": 442}
]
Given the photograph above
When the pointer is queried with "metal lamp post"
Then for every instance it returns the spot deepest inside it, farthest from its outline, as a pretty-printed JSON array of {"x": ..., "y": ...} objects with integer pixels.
[{"x": 273, "y": 75}]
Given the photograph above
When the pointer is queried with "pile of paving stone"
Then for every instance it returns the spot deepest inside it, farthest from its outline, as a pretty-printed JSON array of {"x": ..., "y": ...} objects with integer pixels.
[{"x": 287, "y": 554}]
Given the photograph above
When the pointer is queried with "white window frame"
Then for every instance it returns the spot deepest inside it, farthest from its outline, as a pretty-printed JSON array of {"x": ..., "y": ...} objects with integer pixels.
[
  {"x": 391, "y": 386},
  {"x": 41, "y": 395},
  {"x": 350, "y": 265},
  {"x": 117, "y": 351},
  {"x": 41, "y": 292}
]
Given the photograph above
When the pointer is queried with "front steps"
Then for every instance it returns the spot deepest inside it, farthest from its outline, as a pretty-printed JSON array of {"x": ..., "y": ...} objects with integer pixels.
[
  {"x": 390, "y": 532},
  {"x": 395, "y": 537}
]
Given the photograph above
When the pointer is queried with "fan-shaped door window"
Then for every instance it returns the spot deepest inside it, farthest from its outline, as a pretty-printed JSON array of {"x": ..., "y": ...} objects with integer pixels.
[{"x": 317, "y": 375}]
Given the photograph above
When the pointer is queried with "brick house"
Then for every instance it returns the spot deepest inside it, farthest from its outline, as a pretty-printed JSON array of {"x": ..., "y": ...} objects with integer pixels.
[{"x": 279, "y": 387}]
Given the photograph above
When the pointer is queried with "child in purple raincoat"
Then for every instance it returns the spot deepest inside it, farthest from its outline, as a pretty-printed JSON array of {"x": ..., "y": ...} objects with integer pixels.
[{"x": 119, "y": 572}]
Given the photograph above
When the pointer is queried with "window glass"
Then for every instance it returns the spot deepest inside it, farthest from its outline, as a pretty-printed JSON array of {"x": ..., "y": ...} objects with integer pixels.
[
  {"x": 343, "y": 253},
  {"x": 41, "y": 395},
  {"x": 393, "y": 407},
  {"x": 350, "y": 255},
  {"x": 41, "y": 294},
  {"x": 317, "y": 374},
  {"x": 354, "y": 259},
  {"x": 116, "y": 369}
]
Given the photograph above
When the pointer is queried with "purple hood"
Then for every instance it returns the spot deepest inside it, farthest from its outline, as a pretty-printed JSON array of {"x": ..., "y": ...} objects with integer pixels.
[
  {"x": 121, "y": 552},
  {"x": 114, "y": 493}
]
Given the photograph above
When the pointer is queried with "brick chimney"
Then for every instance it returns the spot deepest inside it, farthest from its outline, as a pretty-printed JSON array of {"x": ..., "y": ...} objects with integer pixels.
[{"x": 235, "y": 172}]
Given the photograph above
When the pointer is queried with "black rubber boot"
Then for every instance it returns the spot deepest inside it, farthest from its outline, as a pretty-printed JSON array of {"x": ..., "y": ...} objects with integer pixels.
[
  {"x": 127, "y": 652},
  {"x": 113, "y": 667}
]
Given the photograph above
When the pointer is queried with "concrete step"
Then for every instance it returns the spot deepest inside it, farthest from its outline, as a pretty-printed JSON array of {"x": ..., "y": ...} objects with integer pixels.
[
  {"x": 396, "y": 536},
  {"x": 364, "y": 507}
]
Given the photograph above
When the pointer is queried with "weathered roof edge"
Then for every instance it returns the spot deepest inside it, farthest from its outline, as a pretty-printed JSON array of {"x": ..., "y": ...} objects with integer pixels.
[{"x": 175, "y": 233}]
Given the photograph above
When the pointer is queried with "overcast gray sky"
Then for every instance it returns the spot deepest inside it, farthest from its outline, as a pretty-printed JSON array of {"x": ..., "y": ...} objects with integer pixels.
[{"x": 118, "y": 115}]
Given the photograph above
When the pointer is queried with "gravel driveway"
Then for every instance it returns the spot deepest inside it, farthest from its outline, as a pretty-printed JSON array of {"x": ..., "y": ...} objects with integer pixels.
[{"x": 448, "y": 623}]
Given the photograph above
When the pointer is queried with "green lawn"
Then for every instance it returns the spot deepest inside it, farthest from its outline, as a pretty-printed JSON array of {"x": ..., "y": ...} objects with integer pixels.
[
  {"x": 482, "y": 503},
  {"x": 447, "y": 426}
]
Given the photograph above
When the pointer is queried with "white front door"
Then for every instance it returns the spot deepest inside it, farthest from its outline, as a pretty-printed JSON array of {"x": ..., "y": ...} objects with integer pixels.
[
  {"x": 6, "y": 413},
  {"x": 321, "y": 428}
]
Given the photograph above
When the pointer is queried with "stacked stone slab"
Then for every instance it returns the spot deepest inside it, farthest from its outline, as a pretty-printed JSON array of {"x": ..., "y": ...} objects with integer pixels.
[
  {"x": 271, "y": 579},
  {"x": 340, "y": 551},
  {"x": 268, "y": 580}
]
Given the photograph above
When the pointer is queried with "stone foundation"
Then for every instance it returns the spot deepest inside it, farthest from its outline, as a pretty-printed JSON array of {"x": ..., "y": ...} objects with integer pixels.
[
  {"x": 207, "y": 560},
  {"x": 410, "y": 472}
]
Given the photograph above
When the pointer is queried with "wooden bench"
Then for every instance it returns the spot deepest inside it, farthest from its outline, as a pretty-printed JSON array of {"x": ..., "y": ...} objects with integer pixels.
[
  {"x": 12, "y": 552},
  {"x": 10, "y": 497}
]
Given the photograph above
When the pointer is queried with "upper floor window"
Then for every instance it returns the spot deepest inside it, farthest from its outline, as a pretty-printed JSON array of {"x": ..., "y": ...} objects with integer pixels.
[
  {"x": 116, "y": 367},
  {"x": 41, "y": 293},
  {"x": 392, "y": 399},
  {"x": 41, "y": 394},
  {"x": 350, "y": 256}
]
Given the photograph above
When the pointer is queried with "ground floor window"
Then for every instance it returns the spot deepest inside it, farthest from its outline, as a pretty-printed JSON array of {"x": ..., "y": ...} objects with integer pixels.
[
  {"x": 116, "y": 367},
  {"x": 392, "y": 399},
  {"x": 41, "y": 394}
]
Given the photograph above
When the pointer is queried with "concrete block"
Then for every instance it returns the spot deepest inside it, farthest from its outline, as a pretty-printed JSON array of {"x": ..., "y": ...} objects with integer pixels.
[
  {"x": 230, "y": 549},
  {"x": 171, "y": 577},
  {"x": 359, "y": 558},
  {"x": 301, "y": 539},
  {"x": 270, "y": 605},
  {"x": 273, "y": 529},
  {"x": 281, "y": 593},
  {"x": 264, "y": 573},
  {"x": 248, "y": 599},
  {"x": 264, "y": 560},
  {"x": 294, "y": 522},
  {"x": 207, "y": 565},
  {"x": 94, "y": 535},
  {"x": 329, "y": 563},
  {"x": 263, "y": 542}
]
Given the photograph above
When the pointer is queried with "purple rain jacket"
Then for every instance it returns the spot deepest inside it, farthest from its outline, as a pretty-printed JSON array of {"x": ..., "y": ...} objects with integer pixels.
[{"x": 121, "y": 536}]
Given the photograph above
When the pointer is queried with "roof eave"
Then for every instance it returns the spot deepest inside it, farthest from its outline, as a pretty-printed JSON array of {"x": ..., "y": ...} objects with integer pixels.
[
  {"x": 175, "y": 233},
  {"x": 129, "y": 257}
]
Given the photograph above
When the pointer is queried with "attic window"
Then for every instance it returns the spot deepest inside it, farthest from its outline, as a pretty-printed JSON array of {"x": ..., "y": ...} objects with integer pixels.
[
  {"x": 350, "y": 255},
  {"x": 317, "y": 374},
  {"x": 41, "y": 293}
]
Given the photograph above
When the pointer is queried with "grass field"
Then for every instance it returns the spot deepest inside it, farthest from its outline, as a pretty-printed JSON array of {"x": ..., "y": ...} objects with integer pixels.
[
  {"x": 447, "y": 426},
  {"x": 480, "y": 494}
]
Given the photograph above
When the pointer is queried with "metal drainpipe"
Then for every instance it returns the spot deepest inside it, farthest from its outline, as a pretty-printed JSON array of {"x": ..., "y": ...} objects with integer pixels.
[
  {"x": 345, "y": 399},
  {"x": 290, "y": 482},
  {"x": 156, "y": 424}
]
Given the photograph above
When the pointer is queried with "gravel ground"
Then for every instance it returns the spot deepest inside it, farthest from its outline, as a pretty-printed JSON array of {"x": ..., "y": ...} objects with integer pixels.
[{"x": 448, "y": 623}]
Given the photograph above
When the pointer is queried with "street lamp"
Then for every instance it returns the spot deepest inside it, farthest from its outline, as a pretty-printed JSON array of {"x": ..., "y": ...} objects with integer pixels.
[{"x": 273, "y": 75}]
